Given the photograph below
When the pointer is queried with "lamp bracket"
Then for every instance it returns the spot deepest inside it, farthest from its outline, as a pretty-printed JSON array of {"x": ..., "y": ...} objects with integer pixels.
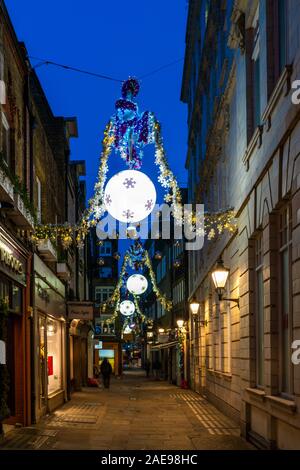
[{"x": 237, "y": 301}]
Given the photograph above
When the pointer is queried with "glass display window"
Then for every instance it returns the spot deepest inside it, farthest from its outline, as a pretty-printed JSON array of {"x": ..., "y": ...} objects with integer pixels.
[
  {"x": 54, "y": 355},
  {"x": 42, "y": 358}
]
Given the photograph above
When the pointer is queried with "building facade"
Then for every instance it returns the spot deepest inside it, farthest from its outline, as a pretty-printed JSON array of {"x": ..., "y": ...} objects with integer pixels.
[
  {"x": 38, "y": 185},
  {"x": 241, "y": 61},
  {"x": 16, "y": 221}
]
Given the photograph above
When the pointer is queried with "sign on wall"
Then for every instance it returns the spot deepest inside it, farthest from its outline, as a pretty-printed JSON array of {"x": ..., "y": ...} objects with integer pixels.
[
  {"x": 80, "y": 310},
  {"x": 12, "y": 262}
]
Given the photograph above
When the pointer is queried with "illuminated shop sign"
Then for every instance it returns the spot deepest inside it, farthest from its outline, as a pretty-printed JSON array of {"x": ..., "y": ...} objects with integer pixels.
[{"x": 9, "y": 260}]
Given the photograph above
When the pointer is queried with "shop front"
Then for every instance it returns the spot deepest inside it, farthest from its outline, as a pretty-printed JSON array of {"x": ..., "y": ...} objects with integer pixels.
[
  {"x": 50, "y": 339},
  {"x": 80, "y": 316},
  {"x": 14, "y": 332}
]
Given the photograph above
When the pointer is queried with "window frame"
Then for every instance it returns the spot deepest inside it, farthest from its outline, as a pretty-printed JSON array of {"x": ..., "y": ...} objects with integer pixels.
[{"x": 285, "y": 246}]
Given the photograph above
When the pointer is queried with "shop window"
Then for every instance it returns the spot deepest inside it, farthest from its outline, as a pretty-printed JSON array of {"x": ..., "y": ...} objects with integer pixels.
[
  {"x": 12, "y": 294},
  {"x": 260, "y": 317},
  {"x": 42, "y": 359},
  {"x": 16, "y": 299},
  {"x": 285, "y": 305},
  {"x": 54, "y": 356}
]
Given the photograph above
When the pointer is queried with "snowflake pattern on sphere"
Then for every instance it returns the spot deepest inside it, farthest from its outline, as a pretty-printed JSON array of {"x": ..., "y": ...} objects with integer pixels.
[
  {"x": 129, "y": 183},
  {"x": 128, "y": 214},
  {"x": 108, "y": 200},
  {"x": 149, "y": 204}
]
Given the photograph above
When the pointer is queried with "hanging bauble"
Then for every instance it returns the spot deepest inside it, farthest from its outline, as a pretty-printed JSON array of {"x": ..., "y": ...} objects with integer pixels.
[
  {"x": 132, "y": 232},
  {"x": 100, "y": 262},
  {"x": 137, "y": 284},
  {"x": 127, "y": 330},
  {"x": 117, "y": 256},
  {"x": 129, "y": 196},
  {"x": 158, "y": 255},
  {"x": 127, "y": 308}
]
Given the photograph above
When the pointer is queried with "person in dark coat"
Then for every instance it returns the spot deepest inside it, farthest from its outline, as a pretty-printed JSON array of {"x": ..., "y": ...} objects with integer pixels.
[
  {"x": 106, "y": 371},
  {"x": 147, "y": 367}
]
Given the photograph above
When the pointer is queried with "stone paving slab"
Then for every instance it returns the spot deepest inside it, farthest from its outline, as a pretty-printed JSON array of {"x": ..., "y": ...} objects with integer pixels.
[{"x": 134, "y": 414}]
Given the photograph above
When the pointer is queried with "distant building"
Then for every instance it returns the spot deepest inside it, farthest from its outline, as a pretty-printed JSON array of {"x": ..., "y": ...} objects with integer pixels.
[
  {"x": 170, "y": 264},
  {"x": 104, "y": 260}
]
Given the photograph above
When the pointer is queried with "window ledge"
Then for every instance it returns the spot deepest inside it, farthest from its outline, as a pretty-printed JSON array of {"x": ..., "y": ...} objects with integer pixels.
[
  {"x": 256, "y": 394},
  {"x": 256, "y": 141},
  {"x": 282, "y": 404},
  {"x": 218, "y": 373}
]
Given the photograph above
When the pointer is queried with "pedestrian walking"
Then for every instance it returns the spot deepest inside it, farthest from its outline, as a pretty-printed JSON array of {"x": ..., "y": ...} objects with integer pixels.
[
  {"x": 157, "y": 368},
  {"x": 106, "y": 371},
  {"x": 147, "y": 367}
]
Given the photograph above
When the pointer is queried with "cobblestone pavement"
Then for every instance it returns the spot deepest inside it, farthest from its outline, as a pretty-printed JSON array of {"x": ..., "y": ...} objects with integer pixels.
[{"x": 135, "y": 413}]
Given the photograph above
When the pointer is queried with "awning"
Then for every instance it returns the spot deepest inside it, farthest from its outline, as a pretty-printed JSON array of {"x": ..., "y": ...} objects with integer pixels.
[{"x": 157, "y": 347}]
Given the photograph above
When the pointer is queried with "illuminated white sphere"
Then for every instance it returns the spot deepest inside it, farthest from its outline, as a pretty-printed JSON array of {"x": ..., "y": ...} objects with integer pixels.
[
  {"x": 137, "y": 284},
  {"x": 129, "y": 196},
  {"x": 127, "y": 308}
]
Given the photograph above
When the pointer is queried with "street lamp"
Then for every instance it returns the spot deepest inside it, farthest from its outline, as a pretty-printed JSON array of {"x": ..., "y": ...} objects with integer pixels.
[
  {"x": 220, "y": 276},
  {"x": 194, "y": 306}
]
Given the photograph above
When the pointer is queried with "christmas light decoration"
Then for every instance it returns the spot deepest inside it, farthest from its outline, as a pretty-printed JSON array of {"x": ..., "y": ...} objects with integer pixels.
[
  {"x": 129, "y": 196},
  {"x": 127, "y": 308},
  {"x": 127, "y": 132},
  {"x": 137, "y": 284}
]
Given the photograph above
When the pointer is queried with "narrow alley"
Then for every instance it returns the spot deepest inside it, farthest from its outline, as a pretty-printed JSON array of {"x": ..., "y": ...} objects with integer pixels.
[{"x": 135, "y": 413}]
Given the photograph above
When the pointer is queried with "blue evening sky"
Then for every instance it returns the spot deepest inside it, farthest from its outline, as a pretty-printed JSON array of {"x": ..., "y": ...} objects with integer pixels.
[{"x": 117, "y": 38}]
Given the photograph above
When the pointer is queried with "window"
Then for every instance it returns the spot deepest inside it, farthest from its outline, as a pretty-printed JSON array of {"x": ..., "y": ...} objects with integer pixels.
[
  {"x": 276, "y": 41},
  {"x": 105, "y": 272},
  {"x": 2, "y": 83},
  {"x": 12, "y": 294},
  {"x": 103, "y": 293},
  {"x": 39, "y": 199},
  {"x": 5, "y": 139},
  {"x": 255, "y": 70},
  {"x": 54, "y": 355},
  {"x": 282, "y": 39},
  {"x": 259, "y": 287},
  {"x": 105, "y": 249},
  {"x": 285, "y": 253}
]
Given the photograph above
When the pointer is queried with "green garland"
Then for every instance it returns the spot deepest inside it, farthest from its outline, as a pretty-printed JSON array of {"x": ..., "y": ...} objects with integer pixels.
[
  {"x": 4, "y": 376},
  {"x": 19, "y": 188}
]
